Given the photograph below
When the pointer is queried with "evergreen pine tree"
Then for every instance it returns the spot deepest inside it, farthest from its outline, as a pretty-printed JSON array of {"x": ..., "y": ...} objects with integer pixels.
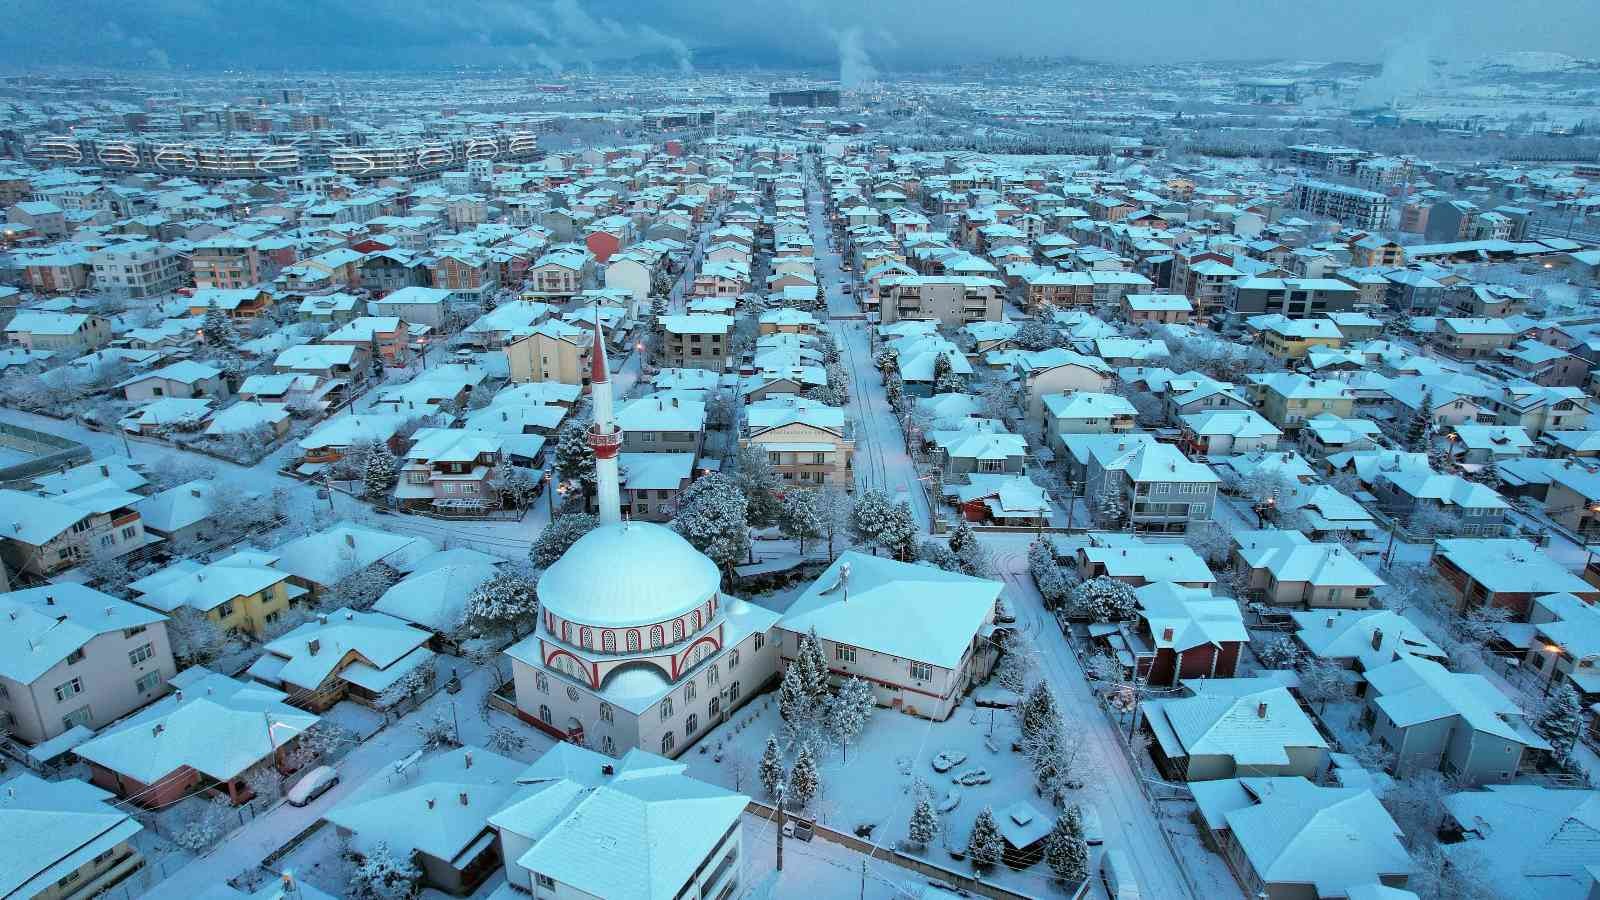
[
  {"x": 1039, "y": 712},
  {"x": 924, "y": 823},
  {"x": 1419, "y": 434},
  {"x": 218, "y": 328},
  {"x": 382, "y": 472},
  {"x": 712, "y": 516},
  {"x": 849, "y": 710},
  {"x": 1065, "y": 851},
  {"x": 946, "y": 380},
  {"x": 800, "y": 520},
  {"x": 985, "y": 845},
  {"x": 794, "y": 704},
  {"x": 771, "y": 769},
  {"x": 574, "y": 457},
  {"x": 804, "y": 779},
  {"x": 1561, "y": 722}
]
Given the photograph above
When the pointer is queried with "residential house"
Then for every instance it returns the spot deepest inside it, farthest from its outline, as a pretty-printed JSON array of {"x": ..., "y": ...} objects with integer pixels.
[
  {"x": 67, "y": 842},
  {"x": 386, "y": 337},
  {"x": 663, "y": 423},
  {"x": 697, "y": 341},
  {"x": 1286, "y": 569},
  {"x": 184, "y": 379},
  {"x": 50, "y": 534},
  {"x": 1161, "y": 490},
  {"x": 454, "y": 470},
  {"x": 1504, "y": 572},
  {"x": 74, "y": 333},
  {"x": 807, "y": 443},
  {"x": 924, "y": 665},
  {"x": 1182, "y": 633},
  {"x": 1430, "y": 718},
  {"x": 1232, "y": 727},
  {"x": 236, "y": 594},
  {"x": 345, "y": 654},
  {"x": 208, "y": 737},
  {"x": 74, "y": 657},
  {"x": 1226, "y": 432}
]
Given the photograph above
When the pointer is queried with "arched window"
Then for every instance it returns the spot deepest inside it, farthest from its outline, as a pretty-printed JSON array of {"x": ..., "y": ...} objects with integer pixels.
[
  {"x": 656, "y": 638},
  {"x": 586, "y": 638},
  {"x": 605, "y": 712},
  {"x": 608, "y": 746},
  {"x": 667, "y": 742},
  {"x": 689, "y": 691},
  {"x": 691, "y": 724},
  {"x": 666, "y": 709},
  {"x": 541, "y": 683},
  {"x": 697, "y": 620},
  {"x": 677, "y": 630},
  {"x": 544, "y": 714},
  {"x": 713, "y": 707},
  {"x": 572, "y": 693},
  {"x": 608, "y": 641},
  {"x": 633, "y": 641},
  {"x": 733, "y": 693},
  {"x": 566, "y": 631}
]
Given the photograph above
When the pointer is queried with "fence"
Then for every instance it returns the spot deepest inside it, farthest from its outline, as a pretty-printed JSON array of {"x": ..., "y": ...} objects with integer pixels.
[
  {"x": 939, "y": 874},
  {"x": 50, "y": 452}
]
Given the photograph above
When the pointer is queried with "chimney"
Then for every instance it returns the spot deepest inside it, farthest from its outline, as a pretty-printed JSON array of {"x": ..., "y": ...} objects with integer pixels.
[
  {"x": 463, "y": 798},
  {"x": 322, "y": 618},
  {"x": 156, "y": 731},
  {"x": 105, "y": 471},
  {"x": 194, "y": 492},
  {"x": 313, "y": 646},
  {"x": 430, "y": 803},
  {"x": 1330, "y": 622},
  {"x": 468, "y": 758},
  {"x": 178, "y": 695},
  {"x": 49, "y": 600},
  {"x": 350, "y": 538},
  {"x": 1377, "y": 638},
  {"x": 1261, "y": 710},
  {"x": 108, "y": 610},
  {"x": 1166, "y": 634},
  {"x": 608, "y": 769}
]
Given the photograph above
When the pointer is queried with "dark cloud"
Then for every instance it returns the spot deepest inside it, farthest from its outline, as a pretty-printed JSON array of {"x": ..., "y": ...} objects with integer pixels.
[{"x": 876, "y": 34}]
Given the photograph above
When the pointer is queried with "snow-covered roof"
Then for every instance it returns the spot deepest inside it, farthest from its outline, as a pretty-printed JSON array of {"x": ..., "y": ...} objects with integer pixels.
[
  {"x": 43, "y": 625},
  {"x": 309, "y": 654},
  {"x": 1293, "y": 558},
  {"x": 1529, "y": 839},
  {"x": 426, "y": 811},
  {"x": 213, "y": 724},
  {"x": 1287, "y": 827},
  {"x": 1510, "y": 565},
  {"x": 1412, "y": 690},
  {"x": 54, "y": 828},
  {"x": 1181, "y": 617},
  {"x": 638, "y": 833},
  {"x": 665, "y": 577},
  {"x": 325, "y": 557},
  {"x": 903, "y": 609},
  {"x": 1371, "y": 637},
  {"x": 1253, "y": 721}
]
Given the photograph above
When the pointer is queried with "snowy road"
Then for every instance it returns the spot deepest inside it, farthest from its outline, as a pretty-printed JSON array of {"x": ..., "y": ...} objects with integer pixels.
[
  {"x": 1128, "y": 819},
  {"x": 881, "y": 460}
]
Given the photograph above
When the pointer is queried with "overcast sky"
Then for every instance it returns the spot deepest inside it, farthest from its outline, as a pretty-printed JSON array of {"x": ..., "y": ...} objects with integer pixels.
[{"x": 885, "y": 34}]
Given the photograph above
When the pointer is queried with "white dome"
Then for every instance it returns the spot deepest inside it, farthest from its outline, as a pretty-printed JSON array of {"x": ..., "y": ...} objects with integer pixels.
[{"x": 637, "y": 573}]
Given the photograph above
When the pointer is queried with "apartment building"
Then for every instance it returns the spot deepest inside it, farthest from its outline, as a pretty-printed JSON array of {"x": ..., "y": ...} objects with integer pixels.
[
  {"x": 807, "y": 443},
  {"x": 1353, "y": 206},
  {"x": 138, "y": 269},
  {"x": 555, "y": 351},
  {"x": 46, "y": 535},
  {"x": 697, "y": 341},
  {"x": 950, "y": 300},
  {"x": 1296, "y": 298},
  {"x": 71, "y": 656},
  {"x": 228, "y": 263},
  {"x": 1161, "y": 489}
]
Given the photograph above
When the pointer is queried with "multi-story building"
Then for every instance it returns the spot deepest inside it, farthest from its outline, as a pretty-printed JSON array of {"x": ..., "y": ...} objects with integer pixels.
[
  {"x": 950, "y": 300},
  {"x": 807, "y": 443},
  {"x": 1296, "y": 298},
  {"x": 50, "y": 534},
  {"x": 1161, "y": 490},
  {"x": 1353, "y": 206},
  {"x": 697, "y": 341},
  {"x": 75, "y": 656},
  {"x": 227, "y": 263},
  {"x": 138, "y": 269},
  {"x": 68, "y": 333}
]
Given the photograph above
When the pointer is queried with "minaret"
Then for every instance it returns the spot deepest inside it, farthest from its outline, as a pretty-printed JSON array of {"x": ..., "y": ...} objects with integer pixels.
[{"x": 604, "y": 436}]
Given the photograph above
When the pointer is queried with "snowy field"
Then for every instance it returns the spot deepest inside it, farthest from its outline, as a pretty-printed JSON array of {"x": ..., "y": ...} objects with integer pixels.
[
  {"x": 10, "y": 456},
  {"x": 874, "y": 785}
]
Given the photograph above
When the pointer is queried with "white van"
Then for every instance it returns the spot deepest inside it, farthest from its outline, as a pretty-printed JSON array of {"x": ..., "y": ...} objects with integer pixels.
[{"x": 1118, "y": 876}]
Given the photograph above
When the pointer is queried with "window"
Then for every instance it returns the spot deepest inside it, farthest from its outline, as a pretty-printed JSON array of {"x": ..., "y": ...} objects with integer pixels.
[
  {"x": 107, "y": 540},
  {"x": 605, "y": 712},
  {"x": 733, "y": 655},
  {"x": 844, "y": 653},
  {"x": 148, "y": 682},
  {"x": 541, "y": 683},
  {"x": 572, "y": 693},
  {"x": 921, "y": 672},
  {"x": 733, "y": 693},
  {"x": 761, "y": 639},
  {"x": 608, "y": 746},
  {"x": 714, "y": 707},
  {"x": 225, "y": 611},
  {"x": 80, "y": 716},
  {"x": 128, "y": 533},
  {"x": 690, "y": 691},
  {"x": 75, "y": 657},
  {"x": 677, "y": 630},
  {"x": 667, "y": 743},
  {"x": 131, "y": 632},
  {"x": 586, "y": 638},
  {"x": 657, "y": 636},
  {"x": 713, "y": 674},
  {"x": 69, "y": 689},
  {"x": 544, "y": 714},
  {"x": 666, "y": 709},
  {"x": 633, "y": 642},
  {"x": 608, "y": 641},
  {"x": 140, "y": 654},
  {"x": 691, "y": 724}
]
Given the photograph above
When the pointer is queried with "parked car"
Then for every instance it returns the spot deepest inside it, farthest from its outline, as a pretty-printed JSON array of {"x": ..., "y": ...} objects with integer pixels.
[
  {"x": 312, "y": 785},
  {"x": 1118, "y": 876},
  {"x": 1092, "y": 832}
]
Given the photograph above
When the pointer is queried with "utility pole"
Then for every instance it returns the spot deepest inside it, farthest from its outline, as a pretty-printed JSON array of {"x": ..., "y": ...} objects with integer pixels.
[
  {"x": 863, "y": 894},
  {"x": 783, "y": 791}
]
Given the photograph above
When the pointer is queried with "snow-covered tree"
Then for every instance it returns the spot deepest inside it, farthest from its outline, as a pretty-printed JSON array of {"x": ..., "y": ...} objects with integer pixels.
[
  {"x": 1110, "y": 509},
  {"x": 924, "y": 827},
  {"x": 1419, "y": 429},
  {"x": 794, "y": 704},
  {"x": 836, "y": 512},
  {"x": 202, "y": 825},
  {"x": 971, "y": 556},
  {"x": 382, "y": 874},
  {"x": 849, "y": 710},
  {"x": 770, "y": 770},
  {"x": 1416, "y": 803},
  {"x": 504, "y": 739},
  {"x": 1015, "y": 670},
  {"x": 938, "y": 555},
  {"x": 1435, "y": 521},
  {"x": 517, "y": 487},
  {"x": 1047, "y": 577},
  {"x": 558, "y": 536},
  {"x": 985, "y": 845},
  {"x": 505, "y": 603},
  {"x": 1104, "y": 599},
  {"x": 825, "y": 394},
  {"x": 218, "y": 329},
  {"x": 813, "y": 670},
  {"x": 800, "y": 520},
  {"x": 946, "y": 380},
  {"x": 407, "y": 687},
  {"x": 886, "y": 361},
  {"x": 712, "y": 517},
  {"x": 1560, "y": 721},
  {"x": 1210, "y": 541},
  {"x": 1065, "y": 850},
  {"x": 755, "y": 478},
  {"x": 360, "y": 588},
  {"x": 1278, "y": 652},
  {"x": 1039, "y": 713},
  {"x": 1322, "y": 681},
  {"x": 574, "y": 457},
  {"x": 382, "y": 472},
  {"x": 437, "y": 731},
  {"x": 1035, "y": 334},
  {"x": 870, "y": 518},
  {"x": 804, "y": 779},
  {"x": 195, "y": 639}
]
